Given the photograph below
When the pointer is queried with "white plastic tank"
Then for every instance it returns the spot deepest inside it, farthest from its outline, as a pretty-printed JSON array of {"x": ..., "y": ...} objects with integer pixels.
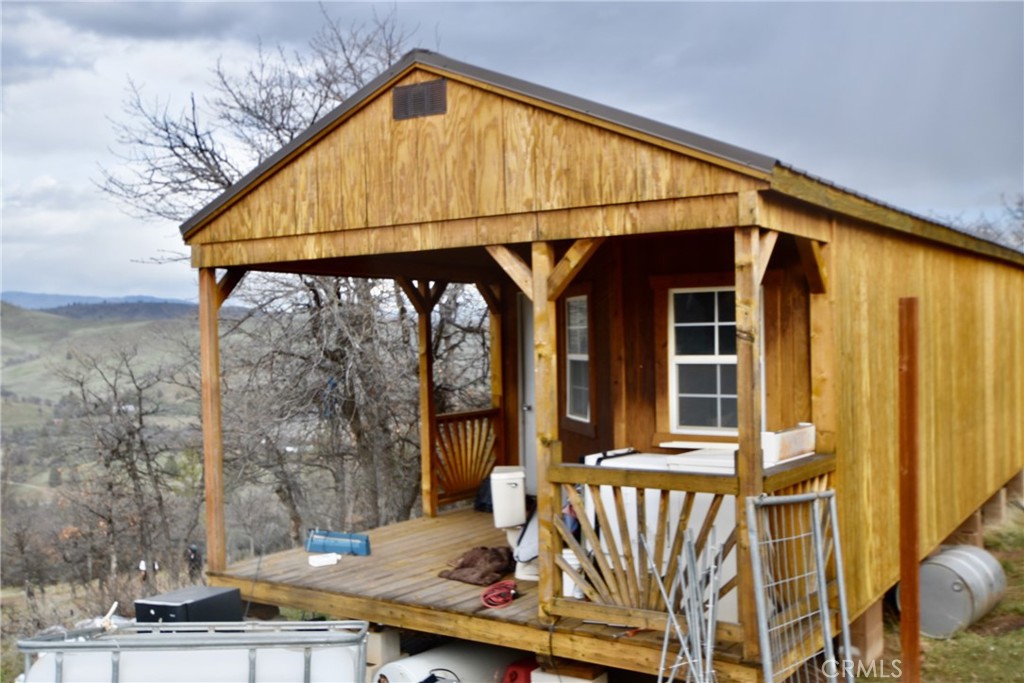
[
  {"x": 508, "y": 496},
  {"x": 273, "y": 664},
  {"x": 211, "y": 652},
  {"x": 460, "y": 661}
]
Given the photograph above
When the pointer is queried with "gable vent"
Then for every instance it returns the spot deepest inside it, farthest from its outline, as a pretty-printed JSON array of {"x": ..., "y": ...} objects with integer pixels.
[{"x": 421, "y": 99}]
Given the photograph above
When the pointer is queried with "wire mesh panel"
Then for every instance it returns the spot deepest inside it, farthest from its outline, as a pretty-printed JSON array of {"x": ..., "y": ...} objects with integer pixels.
[{"x": 798, "y": 583}]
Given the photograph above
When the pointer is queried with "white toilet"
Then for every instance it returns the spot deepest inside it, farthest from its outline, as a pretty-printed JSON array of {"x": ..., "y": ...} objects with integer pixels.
[{"x": 508, "y": 496}]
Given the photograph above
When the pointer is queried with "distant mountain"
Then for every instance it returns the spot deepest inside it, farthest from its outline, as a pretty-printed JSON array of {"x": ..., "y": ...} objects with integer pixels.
[
  {"x": 136, "y": 310},
  {"x": 39, "y": 302}
]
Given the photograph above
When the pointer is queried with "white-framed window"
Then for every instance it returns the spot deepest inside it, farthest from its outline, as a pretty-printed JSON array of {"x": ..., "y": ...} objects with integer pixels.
[
  {"x": 577, "y": 358},
  {"x": 702, "y": 360}
]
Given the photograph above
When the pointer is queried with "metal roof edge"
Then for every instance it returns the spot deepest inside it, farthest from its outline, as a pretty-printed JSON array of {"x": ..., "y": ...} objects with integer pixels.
[
  {"x": 641, "y": 124},
  {"x": 983, "y": 246}
]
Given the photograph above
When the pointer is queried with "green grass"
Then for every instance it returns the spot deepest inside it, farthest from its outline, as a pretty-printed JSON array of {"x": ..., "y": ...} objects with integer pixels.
[
  {"x": 34, "y": 344},
  {"x": 973, "y": 657},
  {"x": 17, "y": 414}
]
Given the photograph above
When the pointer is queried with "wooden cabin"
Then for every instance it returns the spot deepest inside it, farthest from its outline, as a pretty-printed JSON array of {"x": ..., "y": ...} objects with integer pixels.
[{"x": 671, "y": 293}]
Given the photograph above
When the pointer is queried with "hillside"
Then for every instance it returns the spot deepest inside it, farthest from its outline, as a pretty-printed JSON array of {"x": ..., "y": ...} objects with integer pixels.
[
  {"x": 128, "y": 311},
  {"x": 36, "y": 301},
  {"x": 33, "y": 344}
]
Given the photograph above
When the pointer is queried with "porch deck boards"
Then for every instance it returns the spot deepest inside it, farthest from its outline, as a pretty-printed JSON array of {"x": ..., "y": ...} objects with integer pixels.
[{"x": 398, "y": 585}]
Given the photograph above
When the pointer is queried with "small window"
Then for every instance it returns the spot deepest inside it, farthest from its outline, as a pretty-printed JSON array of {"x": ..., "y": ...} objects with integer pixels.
[
  {"x": 702, "y": 350},
  {"x": 577, "y": 358}
]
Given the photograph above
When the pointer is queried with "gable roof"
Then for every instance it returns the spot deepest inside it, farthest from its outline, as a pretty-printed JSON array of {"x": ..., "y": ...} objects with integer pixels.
[
  {"x": 716, "y": 148},
  {"x": 783, "y": 178}
]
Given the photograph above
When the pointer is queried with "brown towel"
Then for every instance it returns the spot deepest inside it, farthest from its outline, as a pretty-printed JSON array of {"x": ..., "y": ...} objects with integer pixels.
[{"x": 481, "y": 566}]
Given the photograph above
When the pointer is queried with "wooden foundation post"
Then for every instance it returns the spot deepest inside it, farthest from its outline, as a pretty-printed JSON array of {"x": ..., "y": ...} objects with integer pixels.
[
  {"x": 213, "y": 445},
  {"x": 428, "y": 415},
  {"x": 1015, "y": 487},
  {"x": 994, "y": 509},
  {"x": 824, "y": 371},
  {"x": 867, "y": 634},
  {"x": 910, "y": 556},
  {"x": 749, "y": 460},
  {"x": 971, "y": 532}
]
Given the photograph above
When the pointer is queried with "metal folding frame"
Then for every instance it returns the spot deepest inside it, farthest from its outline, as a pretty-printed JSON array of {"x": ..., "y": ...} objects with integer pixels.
[
  {"x": 794, "y": 543},
  {"x": 700, "y": 586}
]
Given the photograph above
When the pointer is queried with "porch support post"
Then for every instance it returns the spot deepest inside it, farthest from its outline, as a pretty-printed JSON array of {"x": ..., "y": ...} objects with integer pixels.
[
  {"x": 546, "y": 406},
  {"x": 428, "y": 416},
  {"x": 749, "y": 462},
  {"x": 492, "y": 297},
  {"x": 824, "y": 412},
  {"x": 211, "y": 295},
  {"x": 423, "y": 298}
]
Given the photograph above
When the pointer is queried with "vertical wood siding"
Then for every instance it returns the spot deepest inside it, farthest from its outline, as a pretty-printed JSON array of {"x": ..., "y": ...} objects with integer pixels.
[
  {"x": 488, "y": 156},
  {"x": 971, "y": 392}
]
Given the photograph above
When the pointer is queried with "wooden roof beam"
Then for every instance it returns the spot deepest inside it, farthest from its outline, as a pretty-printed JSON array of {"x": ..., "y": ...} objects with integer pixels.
[
  {"x": 768, "y": 240},
  {"x": 423, "y": 295},
  {"x": 514, "y": 266},
  {"x": 561, "y": 275},
  {"x": 571, "y": 264},
  {"x": 491, "y": 295},
  {"x": 813, "y": 263},
  {"x": 227, "y": 284},
  {"x": 801, "y": 186}
]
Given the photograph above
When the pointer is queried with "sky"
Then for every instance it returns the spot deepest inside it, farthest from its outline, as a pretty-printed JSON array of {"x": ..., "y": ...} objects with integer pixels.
[{"x": 920, "y": 105}]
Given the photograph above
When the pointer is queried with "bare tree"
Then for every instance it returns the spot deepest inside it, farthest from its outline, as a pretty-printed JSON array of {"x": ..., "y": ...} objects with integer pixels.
[
  {"x": 172, "y": 164},
  {"x": 126, "y": 498},
  {"x": 1007, "y": 229},
  {"x": 320, "y": 382},
  {"x": 326, "y": 414}
]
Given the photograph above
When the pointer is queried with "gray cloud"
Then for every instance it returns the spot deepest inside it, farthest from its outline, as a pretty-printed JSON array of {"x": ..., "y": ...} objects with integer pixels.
[
  {"x": 184, "y": 20},
  {"x": 917, "y": 104}
]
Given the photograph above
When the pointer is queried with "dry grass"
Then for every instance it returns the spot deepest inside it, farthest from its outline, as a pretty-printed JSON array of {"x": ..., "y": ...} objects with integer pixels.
[
  {"x": 991, "y": 650},
  {"x": 62, "y": 606}
]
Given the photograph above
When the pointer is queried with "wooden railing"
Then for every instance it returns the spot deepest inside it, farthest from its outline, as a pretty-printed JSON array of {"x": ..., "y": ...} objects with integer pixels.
[
  {"x": 614, "y": 508},
  {"x": 605, "y": 560},
  {"x": 466, "y": 447}
]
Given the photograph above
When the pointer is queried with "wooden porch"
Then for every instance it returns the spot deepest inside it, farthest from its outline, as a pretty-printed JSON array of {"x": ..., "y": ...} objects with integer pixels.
[{"x": 398, "y": 584}]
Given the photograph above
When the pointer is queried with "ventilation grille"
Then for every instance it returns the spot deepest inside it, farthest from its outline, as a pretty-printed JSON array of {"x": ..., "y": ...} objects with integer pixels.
[{"x": 422, "y": 99}]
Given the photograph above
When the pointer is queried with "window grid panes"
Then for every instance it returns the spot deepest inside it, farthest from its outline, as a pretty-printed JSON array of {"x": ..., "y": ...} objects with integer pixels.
[
  {"x": 703, "y": 355},
  {"x": 577, "y": 367}
]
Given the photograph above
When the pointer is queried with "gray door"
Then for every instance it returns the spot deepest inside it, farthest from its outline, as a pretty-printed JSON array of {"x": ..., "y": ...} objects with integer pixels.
[{"x": 527, "y": 394}]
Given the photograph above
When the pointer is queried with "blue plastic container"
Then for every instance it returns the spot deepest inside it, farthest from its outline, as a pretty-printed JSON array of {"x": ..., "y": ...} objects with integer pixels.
[{"x": 320, "y": 541}]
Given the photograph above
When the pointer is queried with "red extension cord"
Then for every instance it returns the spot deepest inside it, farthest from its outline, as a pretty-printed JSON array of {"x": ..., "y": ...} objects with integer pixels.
[{"x": 499, "y": 594}]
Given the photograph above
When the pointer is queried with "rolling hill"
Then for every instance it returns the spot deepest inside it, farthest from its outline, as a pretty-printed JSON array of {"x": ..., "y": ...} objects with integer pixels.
[
  {"x": 36, "y": 301},
  {"x": 34, "y": 344}
]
